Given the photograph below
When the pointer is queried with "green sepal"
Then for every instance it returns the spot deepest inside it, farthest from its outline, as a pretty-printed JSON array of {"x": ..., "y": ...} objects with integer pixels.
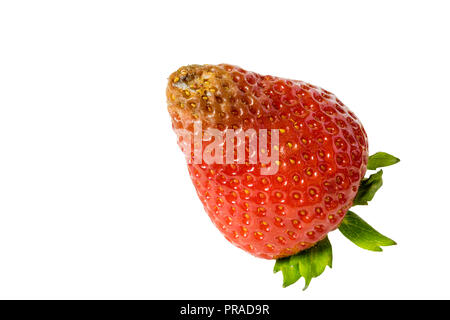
[
  {"x": 309, "y": 263},
  {"x": 362, "y": 234},
  {"x": 368, "y": 188},
  {"x": 381, "y": 159}
]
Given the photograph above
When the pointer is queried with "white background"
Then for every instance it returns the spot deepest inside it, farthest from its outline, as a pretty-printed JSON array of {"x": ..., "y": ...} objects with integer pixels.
[{"x": 95, "y": 198}]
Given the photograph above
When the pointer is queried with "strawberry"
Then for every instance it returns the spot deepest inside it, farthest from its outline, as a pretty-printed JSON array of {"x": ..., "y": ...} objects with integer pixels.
[{"x": 322, "y": 151}]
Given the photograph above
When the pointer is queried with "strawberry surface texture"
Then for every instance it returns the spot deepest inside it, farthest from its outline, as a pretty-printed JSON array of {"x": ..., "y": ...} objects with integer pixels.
[{"x": 322, "y": 156}]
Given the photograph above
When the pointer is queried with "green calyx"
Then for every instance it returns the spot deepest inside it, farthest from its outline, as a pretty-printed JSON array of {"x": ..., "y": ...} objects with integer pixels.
[
  {"x": 312, "y": 262},
  {"x": 381, "y": 159},
  {"x": 309, "y": 264},
  {"x": 367, "y": 188},
  {"x": 362, "y": 234}
]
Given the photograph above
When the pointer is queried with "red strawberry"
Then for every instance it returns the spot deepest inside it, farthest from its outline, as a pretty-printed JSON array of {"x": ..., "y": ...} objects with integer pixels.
[{"x": 323, "y": 154}]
